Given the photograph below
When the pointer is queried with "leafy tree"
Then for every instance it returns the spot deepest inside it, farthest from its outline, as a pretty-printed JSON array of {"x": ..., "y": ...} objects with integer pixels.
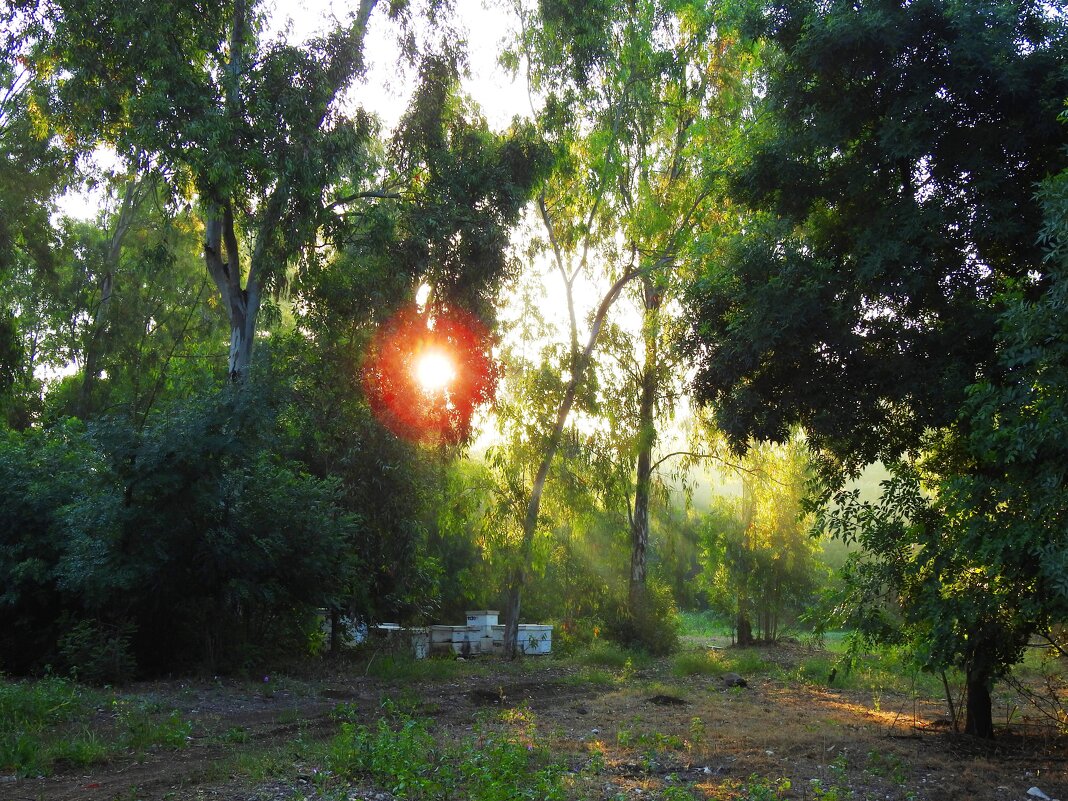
[
  {"x": 759, "y": 558},
  {"x": 245, "y": 122},
  {"x": 891, "y": 186},
  {"x": 192, "y": 538},
  {"x": 634, "y": 100},
  {"x": 33, "y": 172}
]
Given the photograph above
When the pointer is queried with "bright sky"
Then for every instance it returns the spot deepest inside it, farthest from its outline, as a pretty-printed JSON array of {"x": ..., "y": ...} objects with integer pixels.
[{"x": 385, "y": 91}]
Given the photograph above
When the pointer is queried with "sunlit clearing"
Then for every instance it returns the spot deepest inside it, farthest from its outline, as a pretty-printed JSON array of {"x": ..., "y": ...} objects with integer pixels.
[{"x": 434, "y": 371}]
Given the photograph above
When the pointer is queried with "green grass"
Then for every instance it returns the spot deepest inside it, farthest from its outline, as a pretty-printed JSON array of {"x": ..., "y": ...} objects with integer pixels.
[
  {"x": 404, "y": 668},
  {"x": 44, "y": 721},
  {"x": 610, "y": 655},
  {"x": 702, "y": 624},
  {"x": 49, "y": 721},
  {"x": 746, "y": 661},
  {"x": 401, "y": 755},
  {"x": 698, "y": 663},
  {"x": 593, "y": 677}
]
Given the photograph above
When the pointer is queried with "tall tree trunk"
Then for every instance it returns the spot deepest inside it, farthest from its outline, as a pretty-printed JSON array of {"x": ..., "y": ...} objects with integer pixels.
[
  {"x": 980, "y": 719},
  {"x": 530, "y": 520},
  {"x": 222, "y": 253},
  {"x": 132, "y": 196},
  {"x": 639, "y": 524},
  {"x": 744, "y": 628}
]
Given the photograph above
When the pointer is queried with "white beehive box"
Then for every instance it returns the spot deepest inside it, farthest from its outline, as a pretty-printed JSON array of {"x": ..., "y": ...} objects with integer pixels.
[
  {"x": 466, "y": 640},
  {"x": 483, "y": 618},
  {"x": 441, "y": 638},
  {"x": 535, "y": 639}
]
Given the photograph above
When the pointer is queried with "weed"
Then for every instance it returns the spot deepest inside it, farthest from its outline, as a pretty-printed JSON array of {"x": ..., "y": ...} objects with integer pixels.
[
  {"x": 698, "y": 663},
  {"x": 597, "y": 678},
  {"x": 401, "y": 755},
  {"x": 746, "y": 661},
  {"x": 840, "y": 768},
  {"x": 821, "y": 793},
  {"x": 235, "y": 734},
  {"x": 83, "y": 749},
  {"x": 405, "y": 668},
  {"x": 605, "y": 654},
  {"x": 761, "y": 789},
  {"x": 888, "y": 766},
  {"x": 35, "y": 722},
  {"x": 697, "y": 732},
  {"x": 144, "y": 731}
]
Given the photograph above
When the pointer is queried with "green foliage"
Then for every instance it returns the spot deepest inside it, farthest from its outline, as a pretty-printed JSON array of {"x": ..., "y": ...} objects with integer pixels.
[
  {"x": 606, "y": 654},
  {"x": 888, "y": 235},
  {"x": 42, "y": 722},
  {"x": 401, "y": 754},
  {"x": 698, "y": 663},
  {"x": 192, "y": 543},
  {"x": 857, "y": 302},
  {"x": 651, "y": 625},
  {"x": 96, "y": 653},
  {"x": 758, "y": 553}
]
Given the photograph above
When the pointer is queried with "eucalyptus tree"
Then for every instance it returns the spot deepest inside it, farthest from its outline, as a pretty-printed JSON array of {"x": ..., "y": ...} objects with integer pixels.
[
  {"x": 637, "y": 100},
  {"x": 891, "y": 182},
  {"x": 247, "y": 124},
  {"x": 33, "y": 172},
  {"x": 757, "y": 553}
]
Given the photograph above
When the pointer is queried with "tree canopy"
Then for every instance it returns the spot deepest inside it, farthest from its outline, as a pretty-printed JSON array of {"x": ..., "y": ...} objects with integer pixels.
[{"x": 893, "y": 218}]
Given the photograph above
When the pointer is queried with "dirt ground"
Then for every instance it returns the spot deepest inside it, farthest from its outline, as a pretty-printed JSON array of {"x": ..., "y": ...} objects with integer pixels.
[{"x": 651, "y": 728}]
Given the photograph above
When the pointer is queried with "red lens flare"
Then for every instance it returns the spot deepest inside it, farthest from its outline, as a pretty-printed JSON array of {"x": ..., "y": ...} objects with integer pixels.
[{"x": 425, "y": 375}]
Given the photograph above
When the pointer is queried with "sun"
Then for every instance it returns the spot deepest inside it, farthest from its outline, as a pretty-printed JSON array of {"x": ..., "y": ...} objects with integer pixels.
[{"x": 434, "y": 370}]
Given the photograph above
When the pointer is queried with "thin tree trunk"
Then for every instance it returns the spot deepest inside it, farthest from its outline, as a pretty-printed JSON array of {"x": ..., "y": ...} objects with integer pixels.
[
  {"x": 94, "y": 349},
  {"x": 530, "y": 520},
  {"x": 639, "y": 524},
  {"x": 221, "y": 249}
]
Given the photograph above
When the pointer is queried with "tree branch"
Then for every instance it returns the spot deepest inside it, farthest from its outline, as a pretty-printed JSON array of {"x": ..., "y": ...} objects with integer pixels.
[{"x": 381, "y": 194}]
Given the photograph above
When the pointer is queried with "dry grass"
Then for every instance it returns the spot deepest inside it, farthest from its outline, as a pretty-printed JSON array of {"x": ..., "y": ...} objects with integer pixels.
[{"x": 787, "y": 735}]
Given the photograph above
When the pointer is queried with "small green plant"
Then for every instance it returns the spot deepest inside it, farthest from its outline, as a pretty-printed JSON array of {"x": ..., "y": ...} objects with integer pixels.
[
  {"x": 144, "y": 730},
  {"x": 235, "y": 734},
  {"x": 888, "y": 766},
  {"x": 697, "y": 732},
  {"x": 758, "y": 788},
  {"x": 840, "y": 768},
  {"x": 821, "y": 793},
  {"x": 605, "y": 654},
  {"x": 698, "y": 663}
]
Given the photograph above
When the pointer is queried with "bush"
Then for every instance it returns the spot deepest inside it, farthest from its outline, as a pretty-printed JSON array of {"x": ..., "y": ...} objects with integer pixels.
[
  {"x": 97, "y": 653},
  {"x": 653, "y": 626}
]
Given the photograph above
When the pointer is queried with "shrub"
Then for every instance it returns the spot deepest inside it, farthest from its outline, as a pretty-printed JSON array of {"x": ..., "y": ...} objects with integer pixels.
[
  {"x": 652, "y": 626},
  {"x": 98, "y": 653}
]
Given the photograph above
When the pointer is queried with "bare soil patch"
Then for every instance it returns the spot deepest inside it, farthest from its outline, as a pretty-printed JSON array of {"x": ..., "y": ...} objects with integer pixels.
[{"x": 253, "y": 742}]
